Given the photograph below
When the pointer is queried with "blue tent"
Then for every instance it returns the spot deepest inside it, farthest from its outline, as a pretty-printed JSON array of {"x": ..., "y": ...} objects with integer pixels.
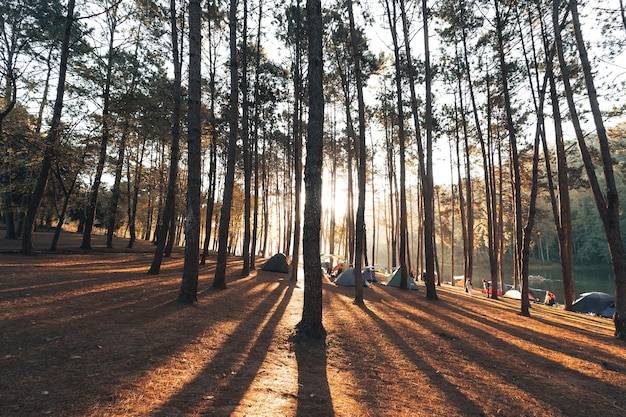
[
  {"x": 346, "y": 278},
  {"x": 598, "y": 303}
]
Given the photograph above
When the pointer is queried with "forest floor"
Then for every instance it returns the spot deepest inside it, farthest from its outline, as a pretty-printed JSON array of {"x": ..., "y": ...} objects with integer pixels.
[{"x": 90, "y": 333}]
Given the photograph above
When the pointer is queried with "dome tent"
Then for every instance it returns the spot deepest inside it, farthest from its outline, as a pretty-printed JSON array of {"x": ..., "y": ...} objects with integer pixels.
[
  {"x": 277, "y": 263},
  {"x": 395, "y": 278},
  {"x": 346, "y": 278},
  {"x": 598, "y": 303}
]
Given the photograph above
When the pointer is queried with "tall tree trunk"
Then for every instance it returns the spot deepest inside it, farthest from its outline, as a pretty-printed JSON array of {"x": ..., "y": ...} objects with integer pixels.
[
  {"x": 469, "y": 199},
  {"x": 427, "y": 180},
  {"x": 189, "y": 284},
  {"x": 297, "y": 148},
  {"x": 560, "y": 206},
  {"x": 390, "y": 165},
  {"x": 361, "y": 155},
  {"x": 391, "y": 17},
  {"x": 167, "y": 219},
  {"x": 112, "y": 20},
  {"x": 115, "y": 192},
  {"x": 333, "y": 194},
  {"x": 310, "y": 325},
  {"x": 424, "y": 160},
  {"x": 51, "y": 138},
  {"x": 212, "y": 58},
  {"x": 245, "y": 136},
  {"x": 608, "y": 206},
  {"x": 229, "y": 181},
  {"x": 490, "y": 193},
  {"x": 257, "y": 109},
  {"x": 517, "y": 192}
]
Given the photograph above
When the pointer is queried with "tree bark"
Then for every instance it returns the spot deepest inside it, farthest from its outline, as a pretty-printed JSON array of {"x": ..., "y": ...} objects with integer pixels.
[
  {"x": 297, "y": 144},
  {"x": 310, "y": 326},
  {"x": 189, "y": 285},
  {"x": 608, "y": 206},
  {"x": 106, "y": 126},
  {"x": 361, "y": 155},
  {"x": 517, "y": 188},
  {"x": 229, "y": 181},
  {"x": 52, "y": 137},
  {"x": 167, "y": 219},
  {"x": 115, "y": 192},
  {"x": 391, "y": 17},
  {"x": 245, "y": 136}
]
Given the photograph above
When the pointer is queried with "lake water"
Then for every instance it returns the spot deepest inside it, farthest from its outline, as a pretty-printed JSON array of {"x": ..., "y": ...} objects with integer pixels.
[{"x": 586, "y": 279}]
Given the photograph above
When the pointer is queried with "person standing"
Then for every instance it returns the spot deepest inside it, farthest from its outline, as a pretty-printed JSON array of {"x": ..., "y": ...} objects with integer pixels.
[{"x": 486, "y": 286}]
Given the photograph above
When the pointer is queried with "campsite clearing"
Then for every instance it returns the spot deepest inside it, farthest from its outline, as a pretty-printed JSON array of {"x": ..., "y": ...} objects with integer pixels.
[{"x": 91, "y": 334}]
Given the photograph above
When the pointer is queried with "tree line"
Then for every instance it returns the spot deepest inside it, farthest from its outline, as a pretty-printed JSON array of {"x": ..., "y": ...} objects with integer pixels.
[{"x": 199, "y": 124}]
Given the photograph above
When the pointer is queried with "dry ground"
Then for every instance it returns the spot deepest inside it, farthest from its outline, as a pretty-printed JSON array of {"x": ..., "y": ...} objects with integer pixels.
[{"x": 91, "y": 334}]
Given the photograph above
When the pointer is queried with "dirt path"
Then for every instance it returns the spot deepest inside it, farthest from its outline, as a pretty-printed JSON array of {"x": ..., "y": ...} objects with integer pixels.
[{"x": 91, "y": 334}]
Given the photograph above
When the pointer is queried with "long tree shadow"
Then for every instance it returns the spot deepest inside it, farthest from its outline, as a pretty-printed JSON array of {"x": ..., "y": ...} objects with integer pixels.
[
  {"x": 224, "y": 381},
  {"x": 314, "y": 398},
  {"x": 111, "y": 323},
  {"x": 452, "y": 392},
  {"x": 536, "y": 371},
  {"x": 544, "y": 339}
]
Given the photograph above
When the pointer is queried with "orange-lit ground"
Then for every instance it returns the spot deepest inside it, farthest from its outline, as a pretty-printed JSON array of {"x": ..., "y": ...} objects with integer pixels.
[{"x": 91, "y": 334}]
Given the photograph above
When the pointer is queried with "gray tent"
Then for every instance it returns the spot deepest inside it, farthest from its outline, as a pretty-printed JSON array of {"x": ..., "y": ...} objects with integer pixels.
[
  {"x": 346, "y": 278},
  {"x": 394, "y": 281},
  {"x": 369, "y": 274},
  {"x": 598, "y": 303},
  {"x": 277, "y": 263}
]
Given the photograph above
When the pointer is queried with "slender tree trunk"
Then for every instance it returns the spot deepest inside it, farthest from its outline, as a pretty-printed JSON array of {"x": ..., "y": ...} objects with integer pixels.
[
  {"x": 310, "y": 326},
  {"x": 560, "y": 206},
  {"x": 608, "y": 206},
  {"x": 213, "y": 133},
  {"x": 189, "y": 284},
  {"x": 517, "y": 192},
  {"x": 361, "y": 155},
  {"x": 391, "y": 16},
  {"x": 115, "y": 192},
  {"x": 469, "y": 200},
  {"x": 245, "y": 136},
  {"x": 51, "y": 138},
  {"x": 169, "y": 208},
  {"x": 297, "y": 148},
  {"x": 490, "y": 194},
  {"x": 257, "y": 108},
  {"x": 427, "y": 180},
  {"x": 106, "y": 133},
  {"x": 229, "y": 180}
]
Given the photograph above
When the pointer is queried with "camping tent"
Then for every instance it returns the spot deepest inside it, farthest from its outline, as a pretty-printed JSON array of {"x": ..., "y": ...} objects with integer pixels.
[
  {"x": 346, "y": 278},
  {"x": 394, "y": 281},
  {"x": 369, "y": 274},
  {"x": 516, "y": 295},
  {"x": 277, "y": 263},
  {"x": 598, "y": 303}
]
